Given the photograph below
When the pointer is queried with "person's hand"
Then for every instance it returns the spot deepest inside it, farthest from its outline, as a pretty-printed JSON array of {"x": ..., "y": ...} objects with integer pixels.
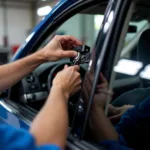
[
  {"x": 115, "y": 113},
  {"x": 60, "y": 47},
  {"x": 101, "y": 92},
  {"x": 68, "y": 80}
]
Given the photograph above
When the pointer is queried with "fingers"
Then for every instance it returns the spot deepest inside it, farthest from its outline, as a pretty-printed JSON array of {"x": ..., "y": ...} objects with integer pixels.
[
  {"x": 66, "y": 66},
  {"x": 67, "y": 43},
  {"x": 113, "y": 110},
  {"x": 76, "y": 68},
  {"x": 68, "y": 54},
  {"x": 77, "y": 89},
  {"x": 88, "y": 83},
  {"x": 90, "y": 78},
  {"x": 103, "y": 85},
  {"x": 103, "y": 79},
  {"x": 116, "y": 117},
  {"x": 68, "y": 38},
  {"x": 74, "y": 40}
]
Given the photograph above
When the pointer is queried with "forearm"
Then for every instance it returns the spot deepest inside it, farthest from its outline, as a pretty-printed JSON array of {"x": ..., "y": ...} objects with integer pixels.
[
  {"x": 101, "y": 126},
  {"x": 13, "y": 72},
  {"x": 51, "y": 124}
]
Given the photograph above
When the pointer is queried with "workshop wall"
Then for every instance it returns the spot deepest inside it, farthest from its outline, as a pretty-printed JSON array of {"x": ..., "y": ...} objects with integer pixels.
[{"x": 19, "y": 23}]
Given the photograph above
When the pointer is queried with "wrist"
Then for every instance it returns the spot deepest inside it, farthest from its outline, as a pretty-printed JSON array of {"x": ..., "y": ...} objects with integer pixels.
[
  {"x": 96, "y": 106},
  {"x": 61, "y": 90},
  {"x": 42, "y": 56}
]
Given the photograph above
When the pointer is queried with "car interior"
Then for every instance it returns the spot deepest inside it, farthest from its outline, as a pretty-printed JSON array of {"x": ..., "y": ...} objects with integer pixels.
[
  {"x": 33, "y": 90},
  {"x": 139, "y": 90},
  {"x": 129, "y": 89}
]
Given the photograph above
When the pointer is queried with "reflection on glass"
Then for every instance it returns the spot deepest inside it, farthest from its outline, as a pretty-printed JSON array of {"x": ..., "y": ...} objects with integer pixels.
[
  {"x": 43, "y": 11},
  {"x": 128, "y": 67},
  {"x": 108, "y": 23},
  {"x": 146, "y": 73},
  {"x": 30, "y": 36}
]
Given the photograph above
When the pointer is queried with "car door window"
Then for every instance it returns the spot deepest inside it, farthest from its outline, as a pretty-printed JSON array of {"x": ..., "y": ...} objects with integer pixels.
[
  {"x": 85, "y": 27},
  {"x": 34, "y": 88},
  {"x": 135, "y": 30},
  {"x": 127, "y": 70}
]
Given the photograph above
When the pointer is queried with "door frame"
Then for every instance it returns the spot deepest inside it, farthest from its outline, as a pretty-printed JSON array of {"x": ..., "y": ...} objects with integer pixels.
[{"x": 107, "y": 54}]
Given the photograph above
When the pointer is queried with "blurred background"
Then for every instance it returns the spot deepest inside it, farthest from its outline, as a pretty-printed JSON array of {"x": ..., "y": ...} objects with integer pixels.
[{"x": 19, "y": 17}]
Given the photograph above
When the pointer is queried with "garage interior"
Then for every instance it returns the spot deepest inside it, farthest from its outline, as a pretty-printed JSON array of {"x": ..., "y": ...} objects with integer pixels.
[
  {"x": 17, "y": 20},
  {"x": 19, "y": 17}
]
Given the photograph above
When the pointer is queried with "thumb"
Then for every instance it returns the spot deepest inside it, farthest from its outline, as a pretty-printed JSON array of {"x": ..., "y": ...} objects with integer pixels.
[
  {"x": 103, "y": 79},
  {"x": 66, "y": 66},
  {"x": 116, "y": 117},
  {"x": 68, "y": 54}
]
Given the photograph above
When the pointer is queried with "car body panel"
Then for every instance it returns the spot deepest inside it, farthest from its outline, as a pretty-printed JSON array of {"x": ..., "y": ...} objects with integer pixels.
[
  {"x": 19, "y": 118},
  {"x": 9, "y": 116},
  {"x": 102, "y": 50}
]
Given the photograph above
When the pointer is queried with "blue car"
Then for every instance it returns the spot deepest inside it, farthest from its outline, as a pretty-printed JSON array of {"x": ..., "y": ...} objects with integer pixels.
[{"x": 112, "y": 28}]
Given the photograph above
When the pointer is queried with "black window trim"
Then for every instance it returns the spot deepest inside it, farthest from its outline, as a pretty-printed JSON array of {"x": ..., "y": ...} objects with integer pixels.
[{"x": 122, "y": 8}]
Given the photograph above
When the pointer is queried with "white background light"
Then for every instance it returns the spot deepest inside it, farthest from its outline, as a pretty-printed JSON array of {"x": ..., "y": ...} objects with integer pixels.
[
  {"x": 128, "y": 67},
  {"x": 146, "y": 73},
  {"x": 43, "y": 11}
]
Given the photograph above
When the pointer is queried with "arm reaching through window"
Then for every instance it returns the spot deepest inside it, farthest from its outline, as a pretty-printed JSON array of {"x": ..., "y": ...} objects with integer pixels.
[
  {"x": 51, "y": 124},
  {"x": 100, "y": 126},
  {"x": 115, "y": 113}
]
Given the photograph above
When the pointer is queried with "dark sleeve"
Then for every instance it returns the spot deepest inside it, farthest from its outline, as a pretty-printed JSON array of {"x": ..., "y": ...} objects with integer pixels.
[
  {"x": 115, "y": 145},
  {"x": 134, "y": 126},
  {"x": 15, "y": 139}
]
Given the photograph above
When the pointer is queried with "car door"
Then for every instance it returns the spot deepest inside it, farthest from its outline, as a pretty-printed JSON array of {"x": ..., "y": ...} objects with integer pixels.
[
  {"x": 46, "y": 30},
  {"x": 60, "y": 13},
  {"x": 108, "y": 47},
  {"x": 115, "y": 21}
]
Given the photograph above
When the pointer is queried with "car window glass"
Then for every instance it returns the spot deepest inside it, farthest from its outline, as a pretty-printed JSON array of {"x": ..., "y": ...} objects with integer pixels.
[
  {"x": 139, "y": 25},
  {"x": 130, "y": 78},
  {"x": 129, "y": 51},
  {"x": 129, "y": 70},
  {"x": 85, "y": 27},
  {"x": 133, "y": 36}
]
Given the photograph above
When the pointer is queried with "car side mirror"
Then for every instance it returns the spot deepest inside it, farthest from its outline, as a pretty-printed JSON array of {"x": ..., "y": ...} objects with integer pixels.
[{"x": 132, "y": 29}]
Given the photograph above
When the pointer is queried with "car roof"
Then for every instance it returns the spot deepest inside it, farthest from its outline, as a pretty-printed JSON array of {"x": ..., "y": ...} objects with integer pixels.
[
  {"x": 142, "y": 10},
  {"x": 145, "y": 3}
]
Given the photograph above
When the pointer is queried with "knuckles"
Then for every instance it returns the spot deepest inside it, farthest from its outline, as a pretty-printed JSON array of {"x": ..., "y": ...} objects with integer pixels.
[
  {"x": 60, "y": 54},
  {"x": 57, "y": 36},
  {"x": 78, "y": 74}
]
